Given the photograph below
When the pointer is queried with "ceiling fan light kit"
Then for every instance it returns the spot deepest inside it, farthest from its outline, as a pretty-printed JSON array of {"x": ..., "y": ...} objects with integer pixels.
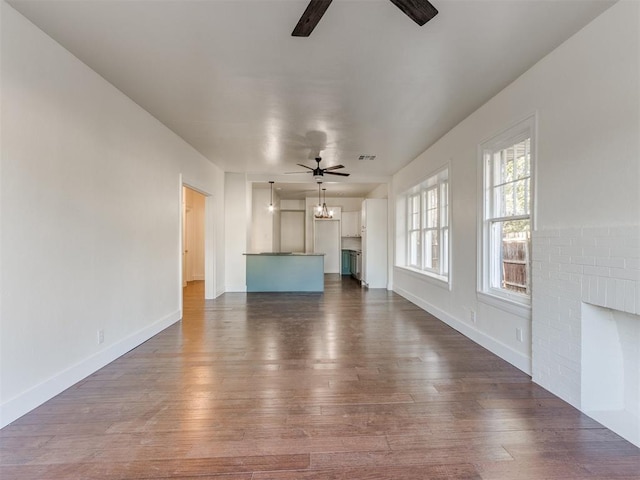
[
  {"x": 319, "y": 173},
  {"x": 420, "y": 11}
]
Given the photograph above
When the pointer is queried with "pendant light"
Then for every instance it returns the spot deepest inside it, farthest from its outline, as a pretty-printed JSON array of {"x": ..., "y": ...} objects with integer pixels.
[
  {"x": 324, "y": 204},
  {"x": 319, "y": 206},
  {"x": 271, "y": 201}
]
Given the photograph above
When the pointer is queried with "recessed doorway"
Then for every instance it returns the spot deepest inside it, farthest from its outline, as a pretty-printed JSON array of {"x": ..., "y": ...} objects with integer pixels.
[
  {"x": 292, "y": 231},
  {"x": 193, "y": 228},
  {"x": 327, "y": 240}
]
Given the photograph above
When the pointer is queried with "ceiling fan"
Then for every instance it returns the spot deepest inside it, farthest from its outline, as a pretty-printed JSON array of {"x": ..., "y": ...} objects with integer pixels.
[
  {"x": 420, "y": 11},
  {"x": 318, "y": 173}
]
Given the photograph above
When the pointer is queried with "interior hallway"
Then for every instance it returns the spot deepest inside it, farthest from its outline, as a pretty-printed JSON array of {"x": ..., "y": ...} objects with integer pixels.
[{"x": 348, "y": 384}]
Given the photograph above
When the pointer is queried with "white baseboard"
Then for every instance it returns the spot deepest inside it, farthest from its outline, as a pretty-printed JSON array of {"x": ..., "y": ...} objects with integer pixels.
[
  {"x": 25, "y": 402},
  {"x": 235, "y": 288},
  {"x": 505, "y": 352},
  {"x": 198, "y": 277}
]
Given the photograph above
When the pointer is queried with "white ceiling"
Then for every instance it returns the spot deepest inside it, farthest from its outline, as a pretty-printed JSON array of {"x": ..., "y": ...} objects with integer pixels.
[
  {"x": 228, "y": 77},
  {"x": 300, "y": 191}
]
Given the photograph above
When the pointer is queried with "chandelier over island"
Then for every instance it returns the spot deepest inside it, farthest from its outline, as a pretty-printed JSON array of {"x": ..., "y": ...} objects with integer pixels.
[{"x": 321, "y": 210}]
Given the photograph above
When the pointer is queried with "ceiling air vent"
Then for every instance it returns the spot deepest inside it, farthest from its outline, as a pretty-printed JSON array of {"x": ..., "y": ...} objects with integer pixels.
[{"x": 367, "y": 157}]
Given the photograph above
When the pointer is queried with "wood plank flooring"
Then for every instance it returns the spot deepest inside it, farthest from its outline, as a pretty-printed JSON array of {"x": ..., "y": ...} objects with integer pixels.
[{"x": 350, "y": 384}]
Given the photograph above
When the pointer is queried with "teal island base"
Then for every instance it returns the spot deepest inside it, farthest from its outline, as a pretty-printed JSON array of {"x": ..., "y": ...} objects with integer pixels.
[{"x": 285, "y": 272}]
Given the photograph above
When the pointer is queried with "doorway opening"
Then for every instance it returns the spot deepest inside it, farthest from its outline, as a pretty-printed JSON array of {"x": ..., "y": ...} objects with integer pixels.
[
  {"x": 193, "y": 241},
  {"x": 326, "y": 239},
  {"x": 292, "y": 231}
]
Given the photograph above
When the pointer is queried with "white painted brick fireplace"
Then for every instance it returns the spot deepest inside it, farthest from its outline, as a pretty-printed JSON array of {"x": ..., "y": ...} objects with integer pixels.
[{"x": 575, "y": 271}]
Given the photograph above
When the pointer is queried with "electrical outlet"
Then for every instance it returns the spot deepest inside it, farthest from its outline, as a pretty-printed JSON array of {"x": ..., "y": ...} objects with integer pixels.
[
  {"x": 100, "y": 336},
  {"x": 519, "y": 334},
  {"x": 472, "y": 316}
]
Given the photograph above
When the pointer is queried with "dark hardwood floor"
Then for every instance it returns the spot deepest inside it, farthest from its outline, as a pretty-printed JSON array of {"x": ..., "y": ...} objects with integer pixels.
[{"x": 350, "y": 384}]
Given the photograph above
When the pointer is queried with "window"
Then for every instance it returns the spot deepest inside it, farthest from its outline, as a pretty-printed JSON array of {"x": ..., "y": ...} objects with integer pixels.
[
  {"x": 506, "y": 230},
  {"x": 427, "y": 223}
]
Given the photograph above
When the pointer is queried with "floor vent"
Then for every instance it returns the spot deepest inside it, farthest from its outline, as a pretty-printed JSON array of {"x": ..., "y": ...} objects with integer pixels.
[{"x": 367, "y": 157}]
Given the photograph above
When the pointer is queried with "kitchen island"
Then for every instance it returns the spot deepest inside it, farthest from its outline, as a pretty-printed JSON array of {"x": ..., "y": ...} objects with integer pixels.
[{"x": 285, "y": 272}]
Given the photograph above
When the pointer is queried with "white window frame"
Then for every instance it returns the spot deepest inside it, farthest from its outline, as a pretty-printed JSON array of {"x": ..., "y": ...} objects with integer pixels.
[
  {"x": 440, "y": 182},
  {"x": 414, "y": 199},
  {"x": 516, "y": 302}
]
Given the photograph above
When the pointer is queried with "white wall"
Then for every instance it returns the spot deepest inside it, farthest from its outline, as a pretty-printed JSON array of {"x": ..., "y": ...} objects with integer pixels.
[
  {"x": 589, "y": 210},
  {"x": 292, "y": 225},
  {"x": 586, "y": 294},
  {"x": 292, "y": 231},
  {"x": 214, "y": 236},
  {"x": 381, "y": 191},
  {"x": 265, "y": 225},
  {"x": 586, "y": 97},
  {"x": 292, "y": 204},
  {"x": 275, "y": 224},
  {"x": 237, "y": 220},
  {"x": 90, "y": 219},
  {"x": 351, "y": 243},
  {"x": 346, "y": 204},
  {"x": 261, "y": 221}
]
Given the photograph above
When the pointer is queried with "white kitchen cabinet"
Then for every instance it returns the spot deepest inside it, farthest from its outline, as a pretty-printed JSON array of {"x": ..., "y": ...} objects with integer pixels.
[
  {"x": 350, "y": 224},
  {"x": 374, "y": 243}
]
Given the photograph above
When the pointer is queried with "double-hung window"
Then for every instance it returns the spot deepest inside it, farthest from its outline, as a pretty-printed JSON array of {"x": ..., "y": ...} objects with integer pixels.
[
  {"x": 414, "y": 257},
  {"x": 427, "y": 223},
  {"x": 507, "y": 214}
]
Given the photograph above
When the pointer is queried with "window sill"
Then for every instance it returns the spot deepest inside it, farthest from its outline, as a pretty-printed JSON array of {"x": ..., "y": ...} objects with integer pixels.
[
  {"x": 508, "y": 305},
  {"x": 432, "y": 278}
]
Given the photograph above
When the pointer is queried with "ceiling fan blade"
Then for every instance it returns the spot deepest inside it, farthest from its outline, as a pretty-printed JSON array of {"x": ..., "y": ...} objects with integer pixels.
[
  {"x": 301, "y": 165},
  {"x": 333, "y": 167},
  {"x": 338, "y": 173},
  {"x": 310, "y": 18},
  {"x": 420, "y": 11}
]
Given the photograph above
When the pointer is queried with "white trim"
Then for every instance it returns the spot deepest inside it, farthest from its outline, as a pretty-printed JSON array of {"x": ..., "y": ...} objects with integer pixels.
[
  {"x": 423, "y": 275},
  {"x": 433, "y": 180},
  {"x": 235, "y": 288},
  {"x": 517, "y": 359},
  {"x": 507, "y": 132},
  {"x": 181, "y": 267},
  {"x": 18, "y": 406},
  {"x": 417, "y": 186},
  {"x": 480, "y": 231},
  {"x": 505, "y": 304},
  {"x": 210, "y": 264},
  {"x": 527, "y": 126},
  {"x": 533, "y": 171}
]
